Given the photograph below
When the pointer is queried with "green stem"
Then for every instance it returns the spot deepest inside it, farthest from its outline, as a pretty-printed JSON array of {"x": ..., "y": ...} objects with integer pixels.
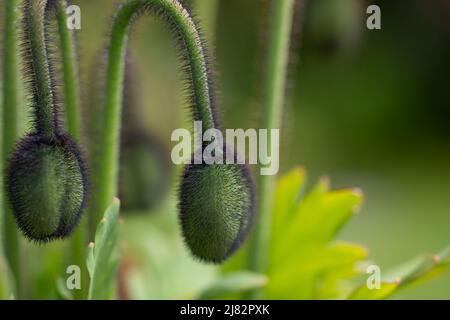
[
  {"x": 72, "y": 108},
  {"x": 273, "y": 100},
  {"x": 70, "y": 71},
  {"x": 10, "y": 110},
  {"x": 182, "y": 24},
  {"x": 38, "y": 63},
  {"x": 78, "y": 258}
]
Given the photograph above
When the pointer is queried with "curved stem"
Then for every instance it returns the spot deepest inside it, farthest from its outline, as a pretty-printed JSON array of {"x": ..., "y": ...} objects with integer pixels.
[
  {"x": 193, "y": 51},
  {"x": 70, "y": 70},
  {"x": 273, "y": 99},
  {"x": 40, "y": 69},
  {"x": 37, "y": 62},
  {"x": 9, "y": 134}
]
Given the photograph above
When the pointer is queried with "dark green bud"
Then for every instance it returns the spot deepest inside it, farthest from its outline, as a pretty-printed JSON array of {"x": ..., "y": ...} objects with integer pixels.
[
  {"x": 144, "y": 171},
  {"x": 46, "y": 184},
  {"x": 216, "y": 209}
]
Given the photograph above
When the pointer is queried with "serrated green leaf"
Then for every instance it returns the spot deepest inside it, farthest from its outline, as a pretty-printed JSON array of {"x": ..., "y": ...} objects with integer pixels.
[
  {"x": 420, "y": 269},
  {"x": 233, "y": 283},
  {"x": 411, "y": 273},
  {"x": 300, "y": 274},
  {"x": 334, "y": 284},
  {"x": 318, "y": 217},
  {"x": 102, "y": 259},
  {"x": 321, "y": 215},
  {"x": 302, "y": 257},
  {"x": 287, "y": 195}
]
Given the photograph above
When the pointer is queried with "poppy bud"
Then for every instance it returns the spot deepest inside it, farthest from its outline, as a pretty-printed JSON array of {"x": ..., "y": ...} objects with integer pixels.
[
  {"x": 216, "y": 209},
  {"x": 46, "y": 184}
]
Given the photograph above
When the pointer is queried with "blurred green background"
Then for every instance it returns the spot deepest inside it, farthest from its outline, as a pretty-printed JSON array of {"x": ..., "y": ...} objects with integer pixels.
[{"x": 370, "y": 109}]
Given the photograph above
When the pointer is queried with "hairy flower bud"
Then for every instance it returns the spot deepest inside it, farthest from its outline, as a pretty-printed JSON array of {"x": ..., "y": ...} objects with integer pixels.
[
  {"x": 216, "y": 209},
  {"x": 46, "y": 184}
]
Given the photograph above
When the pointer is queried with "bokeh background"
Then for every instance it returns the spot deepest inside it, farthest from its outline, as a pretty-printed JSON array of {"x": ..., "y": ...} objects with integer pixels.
[{"x": 370, "y": 109}]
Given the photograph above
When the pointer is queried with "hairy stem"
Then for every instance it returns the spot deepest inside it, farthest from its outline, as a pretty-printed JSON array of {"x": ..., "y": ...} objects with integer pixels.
[
  {"x": 9, "y": 134},
  {"x": 70, "y": 71},
  {"x": 273, "y": 99},
  {"x": 200, "y": 87},
  {"x": 36, "y": 57}
]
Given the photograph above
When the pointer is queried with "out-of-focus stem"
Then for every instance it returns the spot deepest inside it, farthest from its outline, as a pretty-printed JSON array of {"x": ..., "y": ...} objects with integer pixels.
[
  {"x": 273, "y": 100},
  {"x": 72, "y": 109},
  {"x": 9, "y": 134}
]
